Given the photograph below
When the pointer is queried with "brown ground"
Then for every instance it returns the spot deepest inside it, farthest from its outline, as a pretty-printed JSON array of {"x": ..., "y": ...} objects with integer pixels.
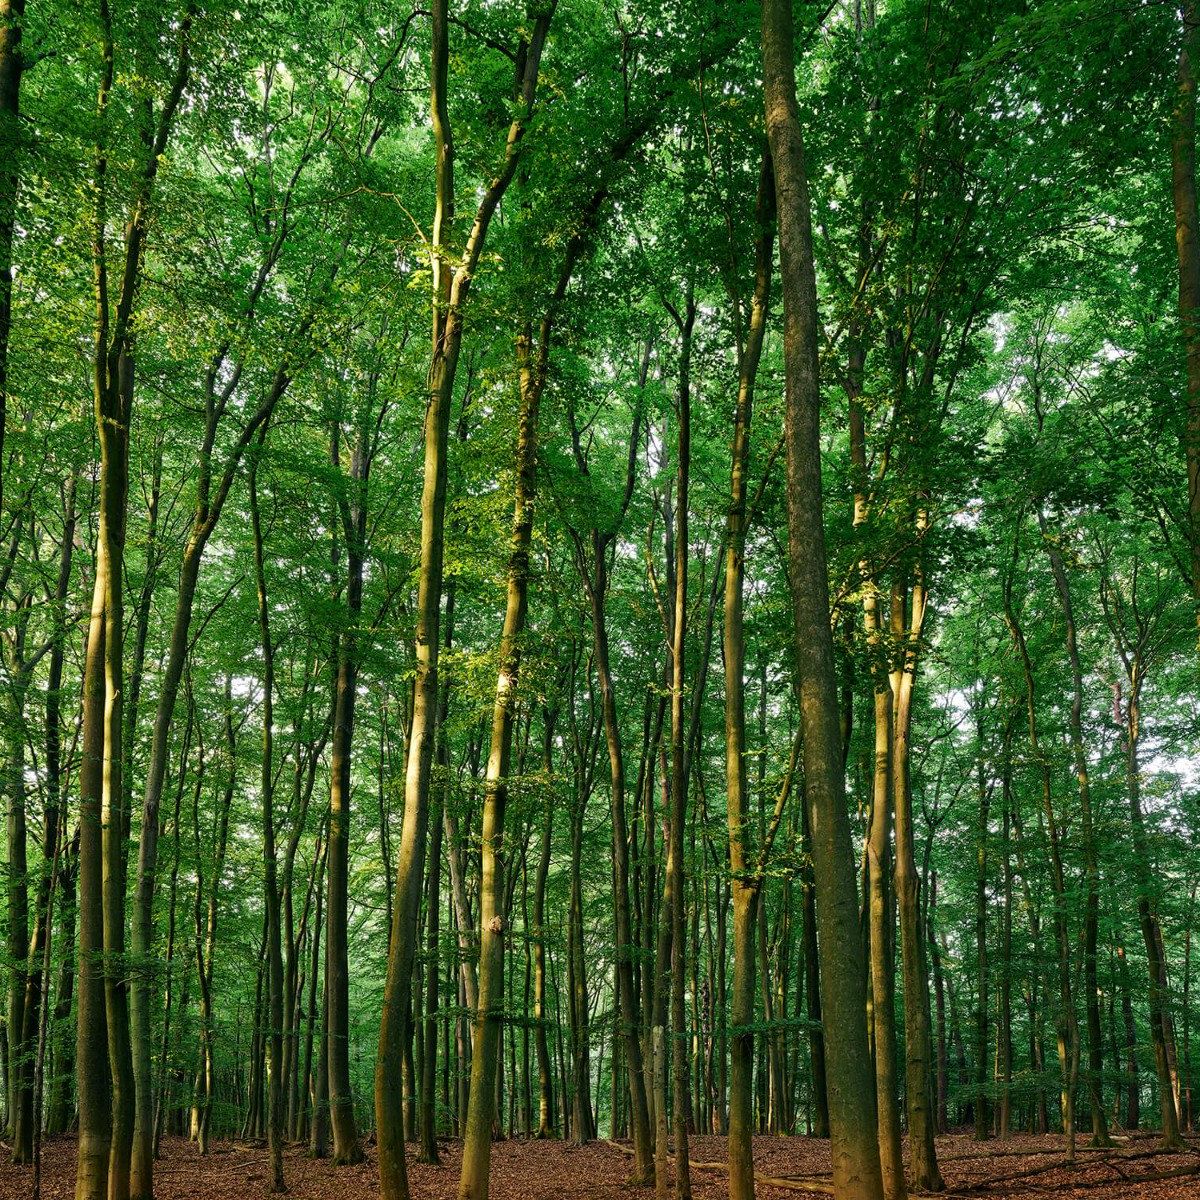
[{"x": 525, "y": 1170}]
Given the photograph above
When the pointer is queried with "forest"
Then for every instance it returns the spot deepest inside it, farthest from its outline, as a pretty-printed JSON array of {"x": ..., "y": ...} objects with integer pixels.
[{"x": 599, "y": 598}]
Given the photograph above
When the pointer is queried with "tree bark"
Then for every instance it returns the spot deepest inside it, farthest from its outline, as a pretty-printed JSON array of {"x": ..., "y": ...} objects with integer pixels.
[
  {"x": 545, "y": 1127},
  {"x": 204, "y": 914},
  {"x": 451, "y": 284},
  {"x": 1004, "y": 1049},
  {"x": 679, "y": 764},
  {"x": 274, "y": 1037},
  {"x": 855, "y": 1150},
  {"x": 980, "y": 1102},
  {"x": 473, "y": 1184},
  {"x": 12, "y": 68},
  {"x": 1068, "y": 1027},
  {"x": 908, "y": 616},
  {"x": 1187, "y": 242},
  {"x": 91, "y": 1053},
  {"x": 26, "y": 1118},
  {"x": 429, "y": 1147},
  {"x": 1160, "y": 992},
  {"x": 595, "y": 579},
  {"x": 879, "y": 901},
  {"x": 353, "y": 513},
  {"x": 1091, "y": 869},
  {"x": 745, "y": 885}
]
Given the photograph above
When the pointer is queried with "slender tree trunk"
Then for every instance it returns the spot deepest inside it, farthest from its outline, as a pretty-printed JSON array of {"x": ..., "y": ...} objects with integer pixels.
[
  {"x": 19, "y": 1092},
  {"x": 1185, "y": 1115},
  {"x": 545, "y": 1126},
  {"x": 1133, "y": 1082},
  {"x": 941, "y": 1050},
  {"x": 450, "y": 289},
  {"x": 881, "y": 921},
  {"x": 142, "y": 926},
  {"x": 577, "y": 989},
  {"x": 679, "y": 767},
  {"x": 908, "y": 615},
  {"x": 819, "y": 1103},
  {"x": 346, "y": 1146},
  {"x": 316, "y": 1058},
  {"x": 205, "y": 920},
  {"x": 883, "y": 1005},
  {"x": 1160, "y": 994},
  {"x": 129, "y": 1001},
  {"x": 43, "y": 969},
  {"x": 274, "y": 1038},
  {"x": 1068, "y": 1028},
  {"x": 983, "y": 1114},
  {"x": 353, "y": 511},
  {"x": 12, "y": 67},
  {"x": 59, "y": 1108},
  {"x": 1091, "y": 921},
  {"x": 94, "y": 1079},
  {"x": 855, "y": 1150},
  {"x": 473, "y": 1184},
  {"x": 1004, "y": 1051},
  {"x": 165, "y": 1045},
  {"x": 745, "y": 885},
  {"x": 643, "y": 1170},
  {"x": 306, "y": 1116},
  {"x": 1187, "y": 241},
  {"x": 112, "y": 819},
  {"x": 429, "y": 1147}
]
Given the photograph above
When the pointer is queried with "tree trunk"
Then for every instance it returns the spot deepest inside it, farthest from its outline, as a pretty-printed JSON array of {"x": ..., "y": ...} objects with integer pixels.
[
  {"x": 908, "y": 616},
  {"x": 545, "y": 1126},
  {"x": 1187, "y": 241},
  {"x": 346, "y": 1146},
  {"x": 881, "y": 920},
  {"x": 679, "y": 765},
  {"x": 1160, "y": 993},
  {"x": 473, "y": 1184},
  {"x": 12, "y": 67},
  {"x": 643, "y": 1170},
  {"x": 450, "y": 291},
  {"x": 429, "y": 1147},
  {"x": 274, "y": 1037},
  {"x": 882, "y": 935},
  {"x": 315, "y": 1058},
  {"x": 1068, "y": 1028},
  {"x": 59, "y": 1107},
  {"x": 165, "y": 1045},
  {"x": 205, "y": 920},
  {"x": 577, "y": 991},
  {"x": 353, "y": 513},
  {"x": 1004, "y": 1049},
  {"x": 91, "y": 1054},
  {"x": 1133, "y": 1101},
  {"x": 819, "y": 1103},
  {"x": 19, "y": 1092},
  {"x": 113, "y": 374},
  {"x": 982, "y": 1107},
  {"x": 855, "y": 1150},
  {"x": 745, "y": 885},
  {"x": 1091, "y": 920}
]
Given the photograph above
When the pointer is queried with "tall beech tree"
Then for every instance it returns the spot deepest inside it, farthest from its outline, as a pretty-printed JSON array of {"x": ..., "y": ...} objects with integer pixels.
[
  {"x": 451, "y": 283},
  {"x": 855, "y": 1150}
]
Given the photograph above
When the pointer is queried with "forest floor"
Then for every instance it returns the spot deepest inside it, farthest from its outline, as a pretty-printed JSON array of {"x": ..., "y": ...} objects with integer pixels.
[{"x": 1023, "y": 1166}]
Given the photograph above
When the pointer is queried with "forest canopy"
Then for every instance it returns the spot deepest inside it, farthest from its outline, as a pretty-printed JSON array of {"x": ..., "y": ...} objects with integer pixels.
[{"x": 618, "y": 573}]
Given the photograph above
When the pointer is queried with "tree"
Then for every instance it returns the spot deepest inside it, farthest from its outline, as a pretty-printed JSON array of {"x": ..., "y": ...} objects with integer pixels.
[{"x": 855, "y": 1150}]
